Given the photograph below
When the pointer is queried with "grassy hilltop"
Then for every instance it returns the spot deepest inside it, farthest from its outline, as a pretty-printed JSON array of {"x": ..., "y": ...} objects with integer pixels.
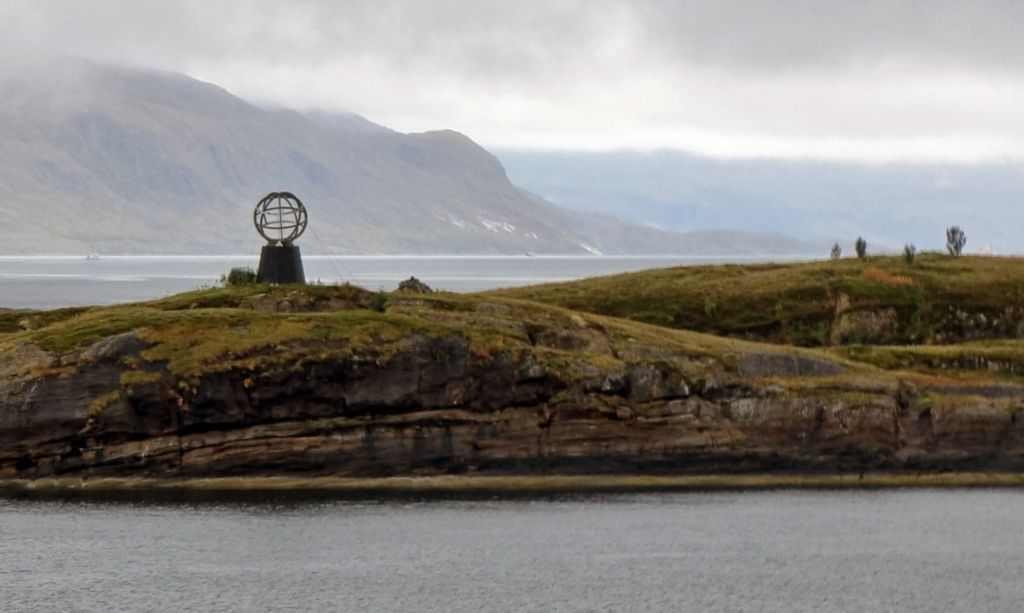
[
  {"x": 880, "y": 300},
  {"x": 241, "y": 329},
  {"x": 940, "y": 314}
]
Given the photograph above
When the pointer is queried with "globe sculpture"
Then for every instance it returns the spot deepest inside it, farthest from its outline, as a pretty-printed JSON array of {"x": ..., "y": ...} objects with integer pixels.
[{"x": 280, "y": 217}]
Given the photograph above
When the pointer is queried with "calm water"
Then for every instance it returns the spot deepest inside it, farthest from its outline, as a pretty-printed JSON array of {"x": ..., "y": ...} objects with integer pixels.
[
  {"x": 49, "y": 282},
  {"x": 896, "y": 550}
]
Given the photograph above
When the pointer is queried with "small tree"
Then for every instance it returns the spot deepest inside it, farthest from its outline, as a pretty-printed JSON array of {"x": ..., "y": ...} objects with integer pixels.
[
  {"x": 955, "y": 241},
  {"x": 861, "y": 246},
  {"x": 837, "y": 252},
  {"x": 909, "y": 253}
]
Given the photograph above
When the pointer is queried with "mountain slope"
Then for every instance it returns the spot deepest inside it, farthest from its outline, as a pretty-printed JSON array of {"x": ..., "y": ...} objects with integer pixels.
[{"x": 126, "y": 160}]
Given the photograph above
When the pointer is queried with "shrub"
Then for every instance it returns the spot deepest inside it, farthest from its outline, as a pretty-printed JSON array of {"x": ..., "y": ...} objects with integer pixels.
[
  {"x": 861, "y": 247},
  {"x": 379, "y": 302},
  {"x": 909, "y": 253},
  {"x": 955, "y": 241},
  {"x": 837, "y": 252},
  {"x": 238, "y": 276}
]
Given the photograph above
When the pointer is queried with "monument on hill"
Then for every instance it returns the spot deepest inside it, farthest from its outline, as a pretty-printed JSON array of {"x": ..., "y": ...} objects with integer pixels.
[{"x": 280, "y": 218}]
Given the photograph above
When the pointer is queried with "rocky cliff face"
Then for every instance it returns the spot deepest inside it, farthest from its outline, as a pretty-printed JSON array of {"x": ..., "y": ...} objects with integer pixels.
[{"x": 430, "y": 385}]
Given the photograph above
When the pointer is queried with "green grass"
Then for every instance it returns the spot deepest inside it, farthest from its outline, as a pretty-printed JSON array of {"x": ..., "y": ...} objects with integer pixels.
[
  {"x": 187, "y": 338},
  {"x": 204, "y": 331},
  {"x": 937, "y": 299},
  {"x": 307, "y": 297},
  {"x": 1004, "y": 358},
  {"x": 220, "y": 340},
  {"x": 16, "y": 320}
]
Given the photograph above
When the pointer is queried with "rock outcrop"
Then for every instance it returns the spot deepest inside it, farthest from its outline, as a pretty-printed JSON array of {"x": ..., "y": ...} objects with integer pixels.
[
  {"x": 442, "y": 384},
  {"x": 414, "y": 285}
]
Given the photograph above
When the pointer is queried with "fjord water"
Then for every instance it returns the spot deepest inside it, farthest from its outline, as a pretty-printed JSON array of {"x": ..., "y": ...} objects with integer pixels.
[
  {"x": 883, "y": 550},
  {"x": 52, "y": 282}
]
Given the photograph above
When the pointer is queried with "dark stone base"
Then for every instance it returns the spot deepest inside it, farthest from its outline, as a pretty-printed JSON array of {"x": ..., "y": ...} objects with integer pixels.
[{"x": 281, "y": 264}]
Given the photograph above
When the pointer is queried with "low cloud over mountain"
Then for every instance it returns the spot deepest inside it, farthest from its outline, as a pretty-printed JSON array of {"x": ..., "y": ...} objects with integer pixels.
[{"x": 125, "y": 160}]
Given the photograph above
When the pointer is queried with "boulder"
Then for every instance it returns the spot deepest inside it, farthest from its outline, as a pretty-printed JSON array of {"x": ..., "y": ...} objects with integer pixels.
[{"x": 414, "y": 285}]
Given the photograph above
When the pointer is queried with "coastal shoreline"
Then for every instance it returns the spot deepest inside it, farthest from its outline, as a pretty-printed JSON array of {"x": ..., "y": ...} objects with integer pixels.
[{"x": 515, "y": 484}]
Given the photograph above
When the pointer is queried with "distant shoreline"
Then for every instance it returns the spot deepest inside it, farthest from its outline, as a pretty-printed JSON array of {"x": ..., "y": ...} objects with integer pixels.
[{"x": 513, "y": 484}]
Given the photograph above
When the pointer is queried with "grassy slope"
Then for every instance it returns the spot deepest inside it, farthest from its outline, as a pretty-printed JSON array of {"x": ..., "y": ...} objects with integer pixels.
[
  {"x": 1003, "y": 359},
  {"x": 220, "y": 297},
  {"x": 205, "y": 331},
  {"x": 797, "y": 303}
]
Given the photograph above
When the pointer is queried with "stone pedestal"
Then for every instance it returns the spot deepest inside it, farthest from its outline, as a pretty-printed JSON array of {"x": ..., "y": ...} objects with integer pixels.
[{"x": 281, "y": 264}]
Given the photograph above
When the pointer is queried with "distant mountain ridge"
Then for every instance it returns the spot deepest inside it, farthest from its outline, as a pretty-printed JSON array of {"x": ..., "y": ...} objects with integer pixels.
[
  {"x": 612, "y": 235},
  {"x": 889, "y": 204},
  {"x": 98, "y": 158}
]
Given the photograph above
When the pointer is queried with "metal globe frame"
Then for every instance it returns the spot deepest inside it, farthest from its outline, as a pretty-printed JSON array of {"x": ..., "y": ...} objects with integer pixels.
[{"x": 280, "y": 217}]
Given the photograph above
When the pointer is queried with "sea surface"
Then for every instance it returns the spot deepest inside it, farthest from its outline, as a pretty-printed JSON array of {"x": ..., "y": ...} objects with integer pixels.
[
  {"x": 771, "y": 551},
  {"x": 43, "y": 282}
]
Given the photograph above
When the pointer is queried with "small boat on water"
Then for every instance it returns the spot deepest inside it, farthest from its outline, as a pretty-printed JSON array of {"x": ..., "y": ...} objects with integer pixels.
[{"x": 93, "y": 256}]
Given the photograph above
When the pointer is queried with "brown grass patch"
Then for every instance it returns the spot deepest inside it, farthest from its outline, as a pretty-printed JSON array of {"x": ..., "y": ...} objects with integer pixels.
[{"x": 873, "y": 273}]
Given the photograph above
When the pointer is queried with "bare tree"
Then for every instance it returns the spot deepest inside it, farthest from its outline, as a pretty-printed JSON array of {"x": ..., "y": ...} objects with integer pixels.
[
  {"x": 861, "y": 246},
  {"x": 837, "y": 252},
  {"x": 909, "y": 253},
  {"x": 955, "y": 241}
]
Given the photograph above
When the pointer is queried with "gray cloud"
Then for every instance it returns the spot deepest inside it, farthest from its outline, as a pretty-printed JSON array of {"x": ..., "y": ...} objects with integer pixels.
[
  {"x": 809, "y": 34},
  {"x": 872, "y": 80}
]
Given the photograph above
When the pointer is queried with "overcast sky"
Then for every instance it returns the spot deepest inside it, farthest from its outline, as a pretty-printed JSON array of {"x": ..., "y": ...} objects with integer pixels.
[{"x": 845, "y": 79}]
